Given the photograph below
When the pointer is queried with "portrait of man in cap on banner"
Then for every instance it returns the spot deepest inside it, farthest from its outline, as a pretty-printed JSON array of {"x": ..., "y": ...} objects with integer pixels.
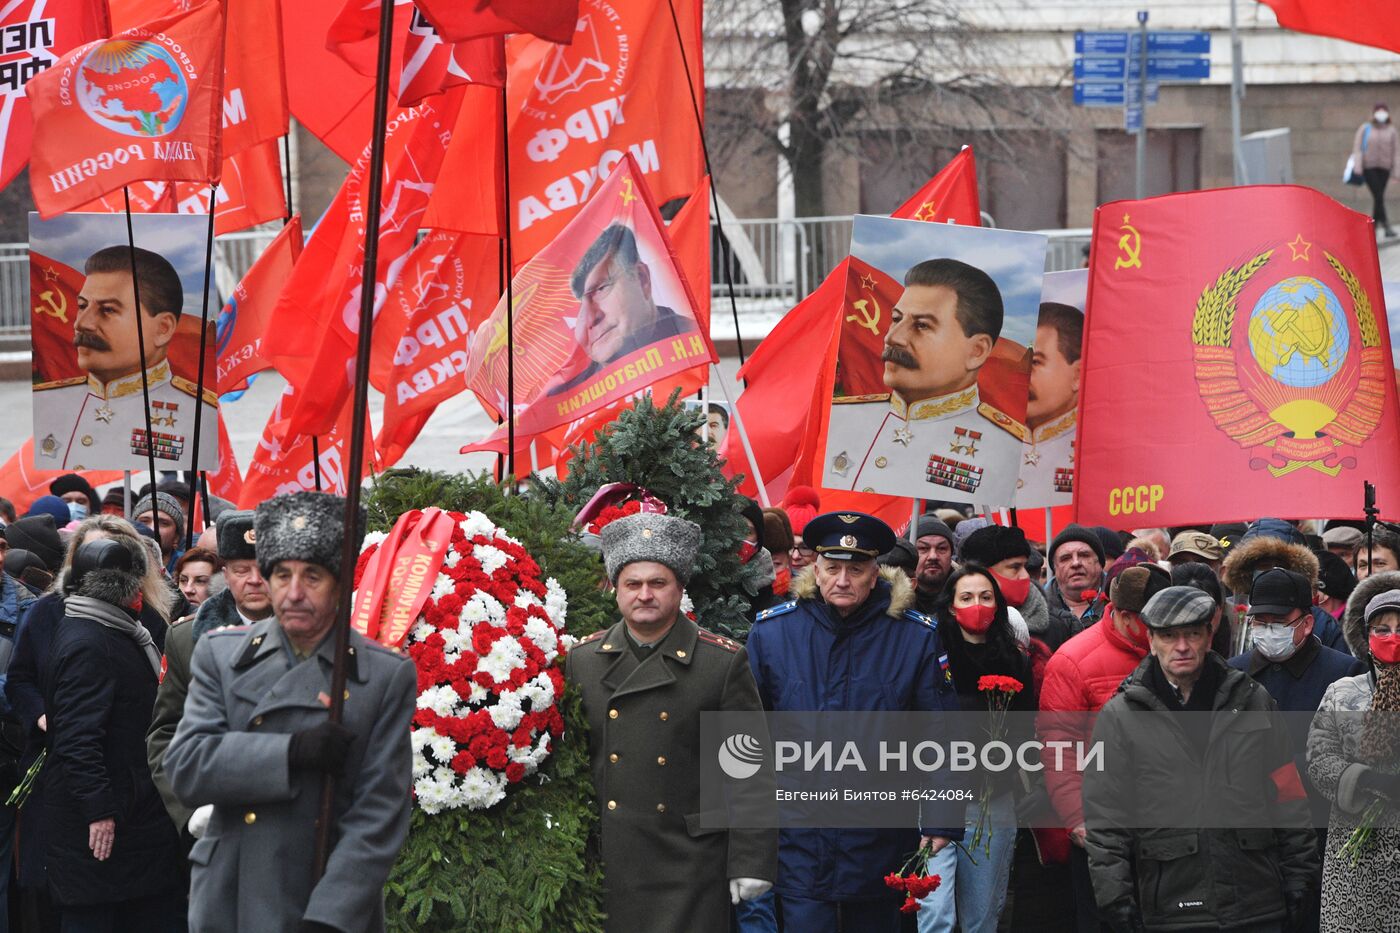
[
  {"x": 956, "y": 363},
  {"x": 89, "y": 400},
  {"x": 1052, "y": 407}
]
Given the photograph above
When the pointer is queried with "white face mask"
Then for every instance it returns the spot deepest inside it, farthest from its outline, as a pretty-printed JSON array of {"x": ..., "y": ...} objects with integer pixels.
[
  {"x": 1382, "y": 116},
  {"x": 1274, "y": 642}
]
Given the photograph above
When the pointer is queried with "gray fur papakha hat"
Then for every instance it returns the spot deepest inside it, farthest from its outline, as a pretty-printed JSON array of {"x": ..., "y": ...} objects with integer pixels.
[
  {"x": 651, "y": 536},
  {"x": 307, "y": 526},
  {"x": 237, "y": 540}
]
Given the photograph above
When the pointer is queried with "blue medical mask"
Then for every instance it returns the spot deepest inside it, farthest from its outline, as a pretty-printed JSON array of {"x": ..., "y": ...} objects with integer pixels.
[{"x": 77, "y": 511}]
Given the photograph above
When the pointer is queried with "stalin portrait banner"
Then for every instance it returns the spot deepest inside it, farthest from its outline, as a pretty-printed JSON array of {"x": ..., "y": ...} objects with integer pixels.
[
  {"x": 934, "y": 361},
  {"x": 89, "y": 406},
  {"x": 1237, "y": 361},
  {"x": 1052, "y": 407}
]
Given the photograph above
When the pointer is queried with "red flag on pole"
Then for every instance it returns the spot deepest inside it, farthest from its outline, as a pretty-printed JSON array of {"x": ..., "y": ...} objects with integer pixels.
[
  {"x": 1376, "y": 25},
  {"x": 243, "y": 322},
  {"x": 1259, "y": 313},
  {"x": 144, "y": 104},
  {"x": 36, "y": 33},
  {"x": 602, "y": 312},
  {"x": 317, "y": 315},
  {"x": 283, "y": 464},
  {"x": 21, "y": 482},
  {"x": 255, "y": 83},
  {"x": 552, "y": 20},
  {"x": 225, "y": 481}
]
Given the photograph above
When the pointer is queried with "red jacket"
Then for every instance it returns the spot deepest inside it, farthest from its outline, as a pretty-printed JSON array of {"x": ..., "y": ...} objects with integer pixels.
[{"x": 1081, "y": 676}]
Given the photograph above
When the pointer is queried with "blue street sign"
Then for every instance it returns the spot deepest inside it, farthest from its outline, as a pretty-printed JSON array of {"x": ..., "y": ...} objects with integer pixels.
[
  {"x": 1110, "y": 93},
  {"x": 1132, "y": 118},
  {"x": 1172, "y": 69},
  {"x": 1166, "y": 42},
  {"x": 1099, "y": 69},
  {"x": 1100, "y": 43}
]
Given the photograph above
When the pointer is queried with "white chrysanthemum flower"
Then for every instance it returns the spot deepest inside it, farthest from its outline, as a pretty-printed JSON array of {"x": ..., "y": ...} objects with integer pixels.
[
  {"x": 480, "y": 608},
  {"x": 687, "y": 606},
  {"x": 556, "y": 602},
  {"x": 420, "y": 631},
  {"x": 482, "y": 788},
  {"x": 542, "y": 634},
  {"x": 505, "y": 656},
  {"x": 372, "y": 538},
  {"x": 441, "y": 699},
  {"x": 524, "y": 599},
  {"x": 477, "y": 523},
  {"x": 453, "y": 558},
  {"x": 478, "y": 694},
  {"x": 443, "y": 586},
  {"x": 456, "y": 640},
  {"x": 566, "y": 641},
  {"x": 443, "y": 749},
  {"x": 432, "y": 795},
  {"x": 507, "y": 713},
  {"x": 491, "y": 558}
]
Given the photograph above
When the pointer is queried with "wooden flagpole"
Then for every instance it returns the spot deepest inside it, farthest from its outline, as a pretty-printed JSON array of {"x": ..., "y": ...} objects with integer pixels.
[{"x": 355, "y": 466}]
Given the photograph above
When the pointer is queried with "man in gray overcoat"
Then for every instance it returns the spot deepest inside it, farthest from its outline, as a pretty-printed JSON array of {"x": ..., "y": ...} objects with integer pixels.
[
  {"x": 644, "y": 683},
  {"x": 255, "y": 742}
]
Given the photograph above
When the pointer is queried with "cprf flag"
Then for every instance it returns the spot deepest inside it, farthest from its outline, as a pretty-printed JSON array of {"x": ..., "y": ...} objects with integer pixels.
[
  {"x": 144, "y": 104},
  {"x": 242, "y": 323},
  {"x": 455, "y": 19},
  {"x": 1257, "y": 315},
  {"x": 33, "y": 34},
  {"x": 600, "y": 313}
]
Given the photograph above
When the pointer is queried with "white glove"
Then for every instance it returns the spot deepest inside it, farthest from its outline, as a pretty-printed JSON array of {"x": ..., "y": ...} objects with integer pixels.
[
  {"x": 746, "y": 889},
  {"x": 199, "y": 820}
]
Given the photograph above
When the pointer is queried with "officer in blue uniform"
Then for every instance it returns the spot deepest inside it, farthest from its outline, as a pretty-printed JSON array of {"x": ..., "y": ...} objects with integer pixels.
[{"x": 850, "y": 641}]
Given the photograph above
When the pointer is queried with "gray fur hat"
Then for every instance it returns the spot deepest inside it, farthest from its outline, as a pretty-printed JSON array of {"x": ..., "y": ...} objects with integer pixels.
[
  {"x": 307, "y": 526},
  {"x": 651, "y": 536},
  {"x": 164, "y": 502},
  {"x": 236, "y": 536}
]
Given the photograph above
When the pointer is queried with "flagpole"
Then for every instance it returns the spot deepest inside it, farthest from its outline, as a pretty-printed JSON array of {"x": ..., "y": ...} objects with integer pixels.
[
  {"x": 506, "y": 222},
  {"x": 355, "y": 466},
  {"x": 199, "y": 377},
  {"x": 141, "y": 341},
  {"x": 743, "y": 438},
  {"x": 714, "y": 183}
]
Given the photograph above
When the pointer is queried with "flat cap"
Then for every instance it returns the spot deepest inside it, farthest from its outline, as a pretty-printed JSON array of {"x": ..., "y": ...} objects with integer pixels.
[
  {"x": 1389, "y": 601},
  {"x": 1343, "y": 536},
  {"x": 1198, "y": 543},
  {"x": 848, "y": 536},
  {"x": 307, "y": 526},
  {"x": 1178, "y": 606},
  {"x": 651, "y": 536},
  {"x": 237, "y": 539}
]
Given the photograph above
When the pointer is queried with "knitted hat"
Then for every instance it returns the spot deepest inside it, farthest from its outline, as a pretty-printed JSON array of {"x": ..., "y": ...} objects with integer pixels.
[
  {"x": 930, "y": 524},
  {"x": 777, "y": 532},
  {"x": 902, "y": 555},
  {"x": 52, "y": 506},
  {"x": 164, "y": 502},
  {"x": 1112, "y": 541},
  {"x": 802, "y": 503},
  {"x": 236, "y": 536},
  {"x": 39, "y": 534},
  {"x": 994, "y": 544},
  {"x": 116, "y": 496},
  {"x": 1083, "y": 536},
  {"x": 648, "y": 536},
  {"x": 964, "y": 531},
  {"x": 1334, "y": 577},
  {"x": 307, "y": 526},
  {"x": 72, "y": 482}
]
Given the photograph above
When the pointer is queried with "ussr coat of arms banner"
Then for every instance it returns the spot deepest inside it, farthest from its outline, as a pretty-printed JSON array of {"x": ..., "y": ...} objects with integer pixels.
[{"x": 1236, "y": 361}]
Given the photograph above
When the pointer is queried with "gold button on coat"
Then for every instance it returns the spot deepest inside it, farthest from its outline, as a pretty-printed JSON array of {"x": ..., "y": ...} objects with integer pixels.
[
  {"x": 680, "y": 653},
  {"x": 613, "y": 758},
  {"x": 660, "y": 808},
  {"x": 612, "y": 804},
  {"x": 612, "y": 714},
  {"x": 665, "y": 715},
  {"x": 661, "y": 760},
  {"x": 250, "y": 817},
  {"x": 257, "y": 721}
]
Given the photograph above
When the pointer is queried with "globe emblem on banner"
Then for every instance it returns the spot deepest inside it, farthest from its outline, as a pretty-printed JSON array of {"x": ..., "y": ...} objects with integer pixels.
[
  {"x": 132, "y": 87},
  {"x": 1298, "y": 332}
]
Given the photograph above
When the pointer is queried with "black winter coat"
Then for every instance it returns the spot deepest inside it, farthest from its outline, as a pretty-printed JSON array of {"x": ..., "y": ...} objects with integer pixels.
[
  {"x": 99, "y": 695},
  {"x": 1150, "y": 808}
]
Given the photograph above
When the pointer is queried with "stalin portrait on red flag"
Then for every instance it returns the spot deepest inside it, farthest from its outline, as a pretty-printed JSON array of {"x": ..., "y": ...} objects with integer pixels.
[{"x": 1260, "y": 314}]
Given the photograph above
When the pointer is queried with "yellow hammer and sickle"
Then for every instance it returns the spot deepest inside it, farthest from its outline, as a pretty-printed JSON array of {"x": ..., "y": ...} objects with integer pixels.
[
  {"x": 870, "y": 321},
  {"x": 498, "y": 339},
  {"x": 1131, "y": 245},
  {"x": 58, "y": 309},
  {"x": 1287, "y": 322},
  {"x": 627, "y": 196}
]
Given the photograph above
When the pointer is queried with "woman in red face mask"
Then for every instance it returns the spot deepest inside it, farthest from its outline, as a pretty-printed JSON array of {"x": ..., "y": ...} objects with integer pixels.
[{"x": 975, "y": 629}]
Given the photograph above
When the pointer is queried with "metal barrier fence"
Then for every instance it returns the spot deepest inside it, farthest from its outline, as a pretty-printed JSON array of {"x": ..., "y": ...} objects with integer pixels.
[{"x": 775, "y": 263}]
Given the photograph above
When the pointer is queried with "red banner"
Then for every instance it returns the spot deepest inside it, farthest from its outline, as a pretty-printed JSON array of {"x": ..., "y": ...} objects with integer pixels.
[
  {"x": 600, "y": 313},
  {"x": 249, "y": 193},
  {"x": 317, "y": 315},
  {"x": 255, "y": 85},
  {"x": 569, "y": 128},
  {"x": 35, "y": 33},
  {"x": 22, "y": 483},
  {"x": 243, "y": 322},
  {"x": 225, "y": 480},
  {"x": 398, "y": 578},
  {"x": 1259, "y": 313},
  {"x": 282, "y": 464},
  {"x": 143, "y": 104},
  {"x": 1376, "y": 25},
  {"x": 549, "y": 19}
]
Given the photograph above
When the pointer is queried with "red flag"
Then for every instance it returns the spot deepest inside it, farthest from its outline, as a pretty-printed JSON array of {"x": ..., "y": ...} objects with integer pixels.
[
  {"x": 870, "y": 294},
  {"x": 785, "y": 406},
  {"x": 22, "y": 483},
  {"x": 317, "y": 315},
  {"x": 282, "y": 464},
  {"x": 1376, "y": 25},
  {"x": 53, "y": 302},
  {"x": 549, "y": 19},
  {"x": 422, "y": 337},
  {"x": 144, "y": 104},
  {"x": 569, "y": 127},
  {"x": 249, "y": 193},
  {"x": 244, "y": 320},
  {"x": 255, "y": 84},
  {"x": 636, "y": 322},
  {"x": 1259, "y": 313},
  {"x": 35, "y": 33},
  {"x": 225, "y": 481}
]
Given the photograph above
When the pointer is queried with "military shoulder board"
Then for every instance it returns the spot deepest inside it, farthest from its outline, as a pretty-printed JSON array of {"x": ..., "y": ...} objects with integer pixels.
[
  {"x": 594, "y": 637},
  {"x": 775, "y": 611},
  {"x": 913, "y": 615},
  {"x": 719, "y": 641}
]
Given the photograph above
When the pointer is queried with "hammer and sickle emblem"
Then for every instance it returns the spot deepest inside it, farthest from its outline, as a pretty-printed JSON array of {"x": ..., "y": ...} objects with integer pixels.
[
  {"x": 868, "y": 319},
  {"x": 1287, "y": 322},
  {"x": 58, "y": 309},
  {"x": 627, "y": 194},
  {"x": 1131, "y": 245}
]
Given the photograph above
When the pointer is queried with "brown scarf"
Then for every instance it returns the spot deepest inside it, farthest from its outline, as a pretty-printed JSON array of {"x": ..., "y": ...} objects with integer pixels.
[{"x": 1380, "y": 736}]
